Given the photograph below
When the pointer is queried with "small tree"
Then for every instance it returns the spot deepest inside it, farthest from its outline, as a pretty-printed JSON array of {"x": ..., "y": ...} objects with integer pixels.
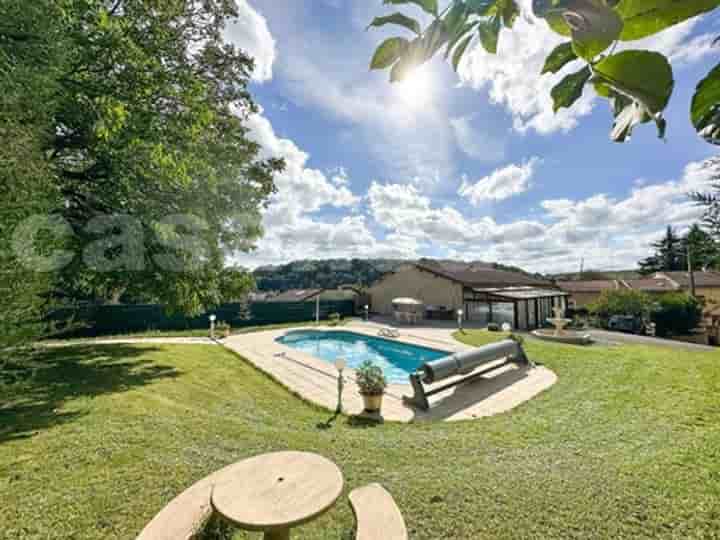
[
  {"x": 676, "y": 313},
  {"x": 620, "y": 302}
]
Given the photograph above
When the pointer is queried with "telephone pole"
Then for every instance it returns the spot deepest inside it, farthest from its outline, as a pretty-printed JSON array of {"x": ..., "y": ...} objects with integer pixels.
[{"x": 690, "y": 270}]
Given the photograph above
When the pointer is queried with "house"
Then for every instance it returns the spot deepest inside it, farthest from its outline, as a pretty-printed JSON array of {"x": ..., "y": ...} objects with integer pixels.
[
  {"x": 652, "y": 285},
  {"x": 296, "y": 295},
  {"x": 484, "y": 294},
  {"x": 707, "y": 284},
  {"x": 583, "y": 293}
]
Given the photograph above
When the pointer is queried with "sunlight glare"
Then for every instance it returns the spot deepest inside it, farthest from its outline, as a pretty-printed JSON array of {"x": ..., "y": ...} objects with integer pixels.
[{"x": 417, "y": 89}]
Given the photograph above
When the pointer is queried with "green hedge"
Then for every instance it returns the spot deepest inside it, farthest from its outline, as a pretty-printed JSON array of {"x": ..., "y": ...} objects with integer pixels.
[{"x": 124, "y": 319}]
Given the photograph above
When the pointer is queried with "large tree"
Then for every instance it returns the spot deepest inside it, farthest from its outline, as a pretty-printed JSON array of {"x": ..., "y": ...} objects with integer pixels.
[
  {"x": 668, "y": 255},
  {"x": 637, "y": 83},
  {"x": 124, "y": 134}
]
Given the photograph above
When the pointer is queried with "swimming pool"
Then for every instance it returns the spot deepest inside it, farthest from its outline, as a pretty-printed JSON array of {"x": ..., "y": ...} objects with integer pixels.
[{"x": 396, "y": 359}]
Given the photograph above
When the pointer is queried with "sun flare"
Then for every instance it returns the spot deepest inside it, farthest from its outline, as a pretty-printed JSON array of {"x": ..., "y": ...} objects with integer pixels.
[{"x": 416, "y": 89}]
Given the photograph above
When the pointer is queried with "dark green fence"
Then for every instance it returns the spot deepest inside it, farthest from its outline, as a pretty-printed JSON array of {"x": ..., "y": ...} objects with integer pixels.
[{"x": 123, "y": 319}]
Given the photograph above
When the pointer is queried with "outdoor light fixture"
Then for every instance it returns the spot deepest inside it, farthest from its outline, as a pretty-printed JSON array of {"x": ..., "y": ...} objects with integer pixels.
[
  {"x": 340, "y": 365},
  {"x": 460, "y": 318},
  {"x": 367, "y": 312},
  {"x": 212, "y": 318}
]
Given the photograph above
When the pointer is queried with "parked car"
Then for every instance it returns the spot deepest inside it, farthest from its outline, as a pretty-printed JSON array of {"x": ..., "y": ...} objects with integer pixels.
[{"x": 626, "y": 323}]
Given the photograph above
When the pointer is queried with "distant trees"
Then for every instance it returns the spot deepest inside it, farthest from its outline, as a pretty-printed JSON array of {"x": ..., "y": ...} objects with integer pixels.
[
  {"x": 697, "y": 249},
  {"x": 328, "y": 274},
  {"x": 667, "y": 256}
]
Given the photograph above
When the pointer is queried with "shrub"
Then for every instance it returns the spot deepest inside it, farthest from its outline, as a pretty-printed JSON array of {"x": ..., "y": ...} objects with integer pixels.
[
  {"x": 676, "y": 314},
  {"x": 619, "y": 302},
  {"x": 370, "y": 379},
  {"x": 493, "y": 327},
  {"x": 223, "y": 328}
]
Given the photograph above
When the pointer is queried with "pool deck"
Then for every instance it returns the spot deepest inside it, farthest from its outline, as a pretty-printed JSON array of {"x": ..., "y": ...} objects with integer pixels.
[{"x": 316, "y": 380}]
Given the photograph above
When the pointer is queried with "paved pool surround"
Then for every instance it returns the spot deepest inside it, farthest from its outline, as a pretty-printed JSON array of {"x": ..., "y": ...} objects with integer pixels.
[{"x": 315, "y": 379}]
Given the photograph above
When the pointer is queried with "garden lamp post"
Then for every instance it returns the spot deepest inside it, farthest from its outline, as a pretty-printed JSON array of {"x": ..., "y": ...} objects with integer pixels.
[
  {"x": 212, "y": 326},
  {"x": 460, "y": 319},
  {"x": 367, "y": 313},
  {"x": 340, "y": 364}
]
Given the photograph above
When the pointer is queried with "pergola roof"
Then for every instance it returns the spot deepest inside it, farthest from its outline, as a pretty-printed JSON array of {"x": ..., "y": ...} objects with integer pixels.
[{"x": 512, "y": 294}]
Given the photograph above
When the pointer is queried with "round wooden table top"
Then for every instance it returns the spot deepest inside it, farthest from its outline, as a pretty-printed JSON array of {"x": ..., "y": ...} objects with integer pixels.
[{"x": 277, "y": 491}]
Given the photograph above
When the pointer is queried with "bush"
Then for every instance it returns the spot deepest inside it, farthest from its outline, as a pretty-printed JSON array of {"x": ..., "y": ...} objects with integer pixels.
[
  {"x": 620, "y": 302},
  {"x": 370, "y": 379},
  {"x": 676, "y": 314},
  {"x": 223, "y": 328},
  {"x": 493, "y": 327}
]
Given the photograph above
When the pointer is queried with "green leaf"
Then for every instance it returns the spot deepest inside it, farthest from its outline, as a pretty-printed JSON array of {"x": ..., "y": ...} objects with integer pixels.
[
  {"x": 455, "y": 18},
  {"x": 559, "y": 57},
  {"x": 469, "y": 27},
  {"x": 435, "y": 37},
  {"x": 430, "y": 6},
  {"x": 460, "y": 51},
  {"x": 489, "y": 32},
  {"x": 644, "y": 18},
  {"x": 412, "y": 57},
  {"x": 643, "y": 75},
  {"x": 705, "y": 109},
  {"x": 593, "y": 28},
  {"x": 480, "y": 7},
  {"x": 569, "y": 90},
  {"x": 399, "y": 19},
  {"x": 510, "y": 13},
  {"x": 388, "y": 52}
]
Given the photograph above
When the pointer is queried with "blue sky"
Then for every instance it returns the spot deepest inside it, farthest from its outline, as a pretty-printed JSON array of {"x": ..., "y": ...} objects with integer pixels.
[{"x": 471, "y": 165}]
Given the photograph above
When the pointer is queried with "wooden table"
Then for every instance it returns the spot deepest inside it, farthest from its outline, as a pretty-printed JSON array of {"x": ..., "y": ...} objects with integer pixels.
[{"x": 275, "y": 492}]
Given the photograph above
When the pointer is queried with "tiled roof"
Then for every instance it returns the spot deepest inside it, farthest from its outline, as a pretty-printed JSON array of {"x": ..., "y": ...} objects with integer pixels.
[
  {"x": 651, "y": 285},
  {"x": 295, "y": 295},
  {"x": 591, "y": 286},
  {"x": 477, "y": 275},
  {"x": 702, "y": 279}
]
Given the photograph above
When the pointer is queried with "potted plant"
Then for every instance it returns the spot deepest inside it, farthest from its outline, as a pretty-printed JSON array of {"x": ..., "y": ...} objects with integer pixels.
[
  {"x": 372, "y": 383},
  {"x": 223, "y": 329}
]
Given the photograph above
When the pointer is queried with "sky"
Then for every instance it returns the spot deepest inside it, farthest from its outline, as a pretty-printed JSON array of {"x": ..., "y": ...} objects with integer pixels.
[{"x": 471, "y": 165}]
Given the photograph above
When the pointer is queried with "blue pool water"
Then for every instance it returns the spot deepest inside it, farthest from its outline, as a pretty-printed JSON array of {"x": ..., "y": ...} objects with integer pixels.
[{"x": 397, "y": 360}]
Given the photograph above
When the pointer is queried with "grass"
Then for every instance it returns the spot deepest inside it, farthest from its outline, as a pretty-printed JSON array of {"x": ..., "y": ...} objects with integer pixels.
[{"x": 625, "y": 445}]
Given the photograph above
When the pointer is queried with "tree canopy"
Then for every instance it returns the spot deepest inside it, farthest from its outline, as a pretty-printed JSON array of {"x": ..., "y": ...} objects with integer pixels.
[
  {"x": 125, "y": 145},
  {"x": 697, "y": 249},
  {"x": 637, "y": 83}
]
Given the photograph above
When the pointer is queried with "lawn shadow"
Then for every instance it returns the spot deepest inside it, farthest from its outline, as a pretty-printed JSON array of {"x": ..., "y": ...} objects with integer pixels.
[{"x": 41, "y": 385}]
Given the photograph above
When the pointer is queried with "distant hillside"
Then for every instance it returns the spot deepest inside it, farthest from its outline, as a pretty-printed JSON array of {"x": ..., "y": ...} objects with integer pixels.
[{"x": 332, "y": 273}]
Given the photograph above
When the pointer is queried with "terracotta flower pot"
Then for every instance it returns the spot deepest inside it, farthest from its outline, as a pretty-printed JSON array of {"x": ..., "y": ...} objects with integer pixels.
[{"x": 373, "y": 403}]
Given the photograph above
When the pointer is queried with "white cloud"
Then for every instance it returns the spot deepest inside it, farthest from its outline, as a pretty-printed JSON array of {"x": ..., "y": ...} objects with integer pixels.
[
  {"x": 501, "y": 183},
  {"x": 300, "y": 189},
  {"x": 476, "y": 143},
  {"x": 607, "y": 232},
  {"x": 250, "y": 33},
  {"x": 513, "y": 78}
]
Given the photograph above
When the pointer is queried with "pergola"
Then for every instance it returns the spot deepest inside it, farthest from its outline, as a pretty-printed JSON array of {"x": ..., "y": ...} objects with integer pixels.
[{"x": 531, "y": 306}]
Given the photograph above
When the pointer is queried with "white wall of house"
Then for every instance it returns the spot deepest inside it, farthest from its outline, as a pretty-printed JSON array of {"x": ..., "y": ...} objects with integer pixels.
[{"x": 410, "y": 281}]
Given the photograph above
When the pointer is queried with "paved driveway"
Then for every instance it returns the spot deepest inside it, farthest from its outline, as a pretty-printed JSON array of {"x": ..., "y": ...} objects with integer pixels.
[{"x": 619, "y": 337}]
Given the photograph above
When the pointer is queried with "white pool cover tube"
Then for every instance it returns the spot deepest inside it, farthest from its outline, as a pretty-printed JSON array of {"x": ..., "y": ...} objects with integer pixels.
[{"x": 464, "y": 362}]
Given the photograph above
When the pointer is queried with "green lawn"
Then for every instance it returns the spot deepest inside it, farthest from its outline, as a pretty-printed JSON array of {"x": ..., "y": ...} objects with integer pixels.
[{"x": 625, "y": 445}]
